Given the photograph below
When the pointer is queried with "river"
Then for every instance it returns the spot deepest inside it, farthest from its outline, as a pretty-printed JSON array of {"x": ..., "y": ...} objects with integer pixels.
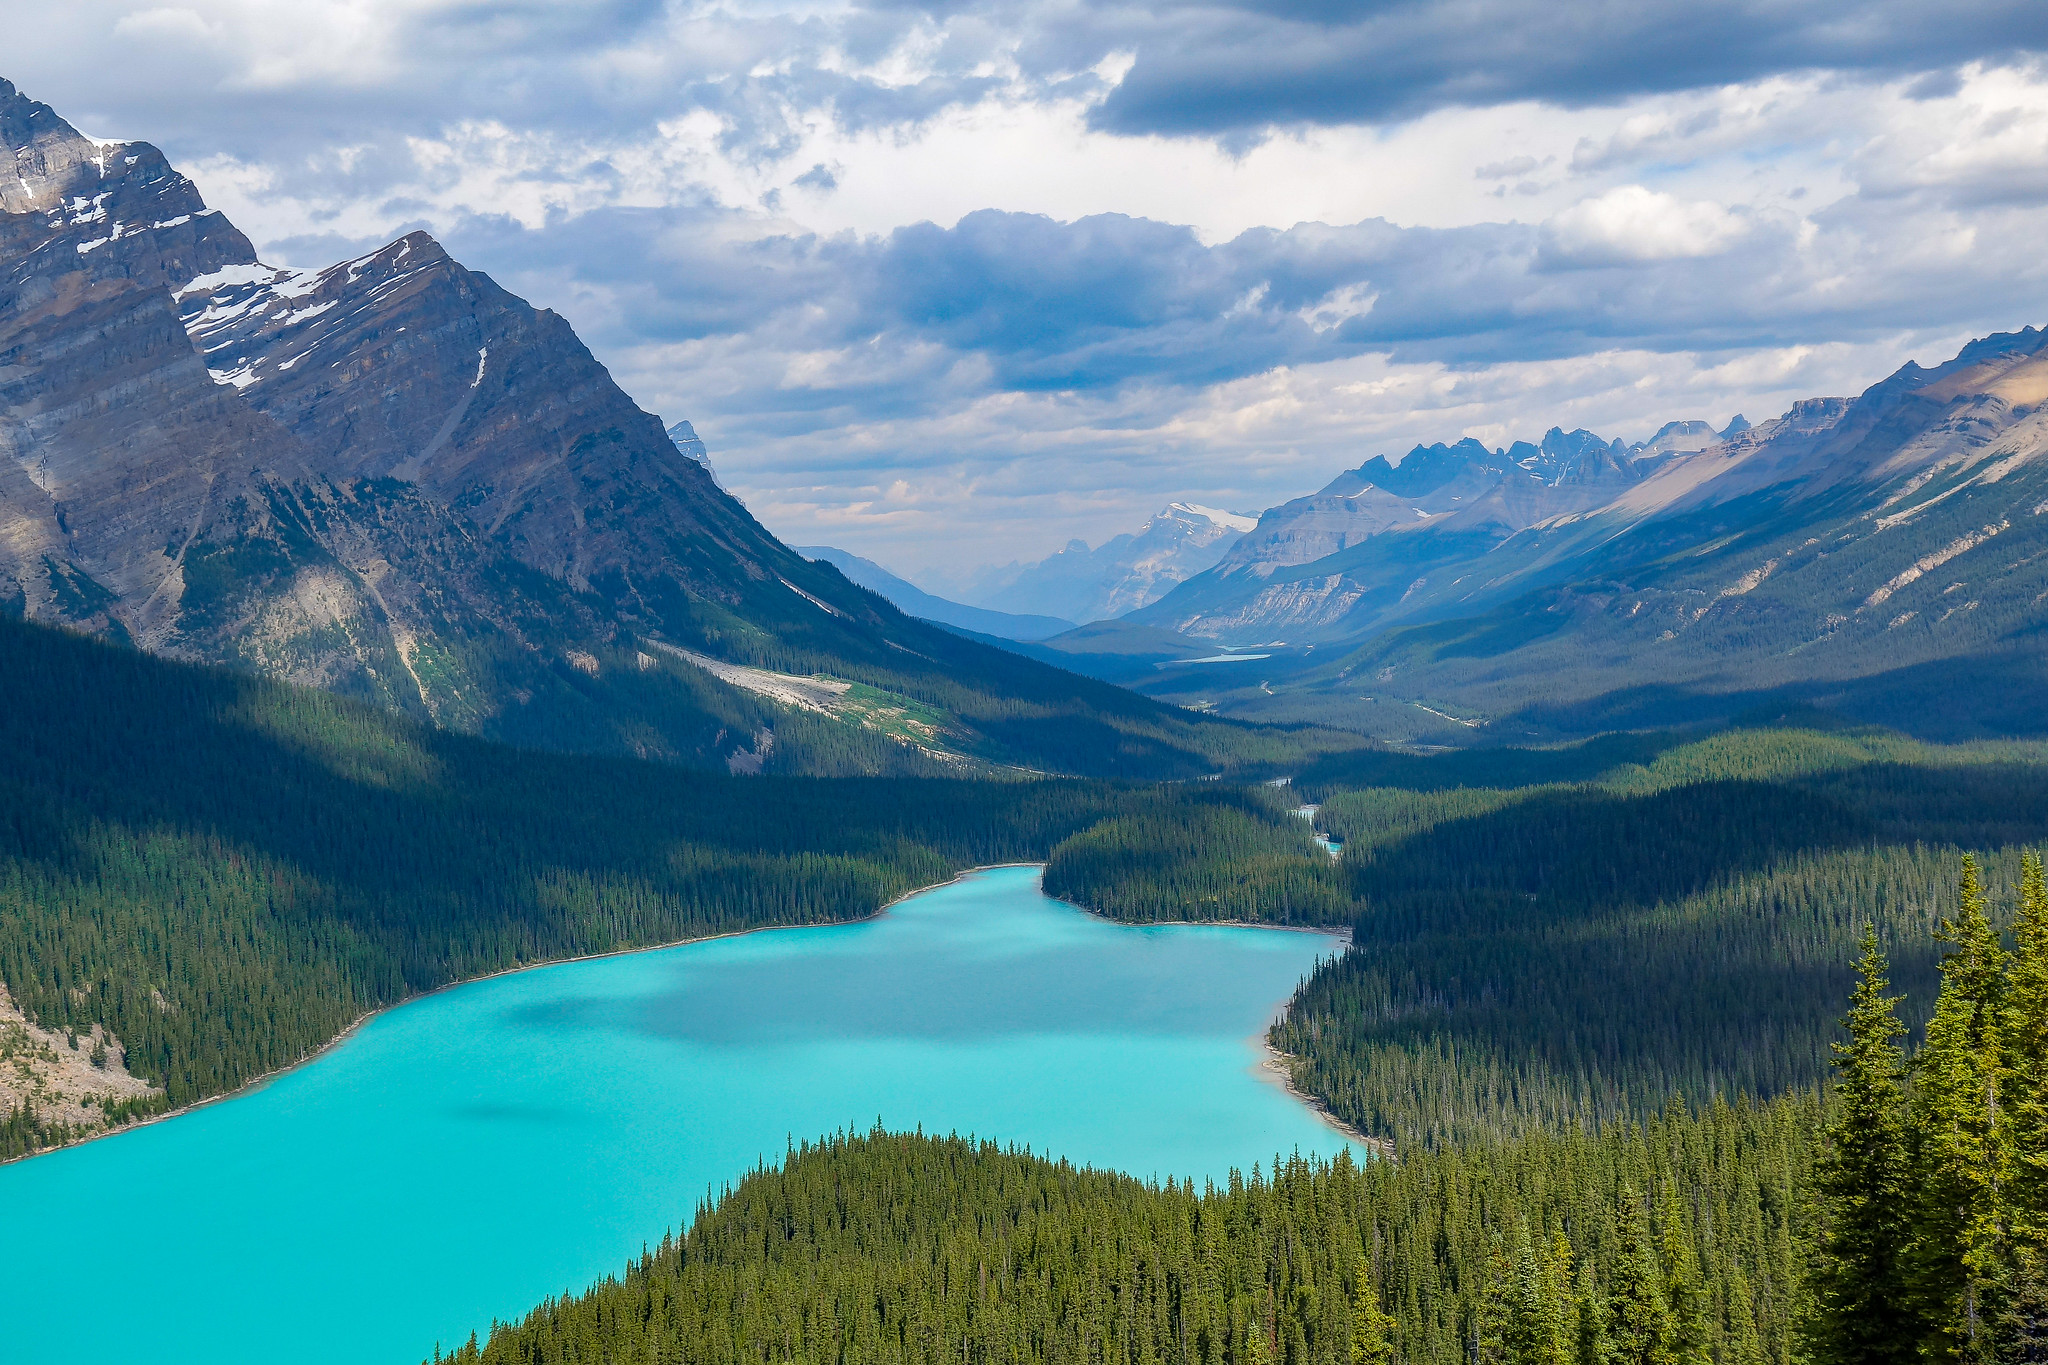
[{"x": 467, "y": 1154}]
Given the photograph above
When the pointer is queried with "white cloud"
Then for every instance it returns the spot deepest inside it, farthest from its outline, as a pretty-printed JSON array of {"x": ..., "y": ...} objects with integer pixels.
[
  {"x": 1984, "y": 144},
  {"x": 1632, "y": 224},
  {"x": 1756, "y": 240}
]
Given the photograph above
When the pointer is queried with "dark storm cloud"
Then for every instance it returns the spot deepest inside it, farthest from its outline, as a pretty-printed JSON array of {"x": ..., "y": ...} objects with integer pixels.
[
  {"x": 1008, "y": 302},
  {"x": 1218, "y": 69},
  {"x": 616, "y": 68}
]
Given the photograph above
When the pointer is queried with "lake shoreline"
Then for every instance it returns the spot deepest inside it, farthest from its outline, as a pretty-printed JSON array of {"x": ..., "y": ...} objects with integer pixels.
[
  {"x": 255, "y": 1083},
  {"x": 1276, "y": 1061},
  {"x": 1275, "y": 1067}
]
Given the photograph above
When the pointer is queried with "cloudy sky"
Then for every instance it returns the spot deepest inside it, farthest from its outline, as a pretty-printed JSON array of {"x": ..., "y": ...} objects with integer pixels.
[{"x": 950, "y": 283}]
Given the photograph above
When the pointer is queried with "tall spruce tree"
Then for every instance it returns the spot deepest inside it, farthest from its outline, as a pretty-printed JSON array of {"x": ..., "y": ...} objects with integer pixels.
[
  {"x": 1691, "y": 1342},
  {"x": 1858, "y": 1308},
  {"x": 1954, "y": 1268},
  {"x": 1745, "y": 1345},
  {"x": 1372, "y": 1331},
  {"x": 2023, "y": 1123},
  {"x": 1638, "y": 1319},
  {"x": 1589, "y": 1321}
]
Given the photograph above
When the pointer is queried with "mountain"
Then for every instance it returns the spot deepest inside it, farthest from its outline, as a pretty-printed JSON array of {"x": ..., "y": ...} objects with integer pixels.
[
  {"x": 394, "y": 479},
  {"x": 1118, "y": 576},
  {"x": 1883, "y": 557},
  {"x": 685, "y": 439},
  {"x": 1348, "y": 557},
  {"x": 914, "y": 601}
]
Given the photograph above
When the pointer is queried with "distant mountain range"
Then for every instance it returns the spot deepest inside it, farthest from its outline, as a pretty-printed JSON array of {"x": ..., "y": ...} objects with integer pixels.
[
  {"x": 393, "y": 479},
  {"x": 1119, "y": 576},
  {"x": 915, "y": 601},
  {"x": 1438, "y": 505},
  {"x": 1885, "y": 557}
]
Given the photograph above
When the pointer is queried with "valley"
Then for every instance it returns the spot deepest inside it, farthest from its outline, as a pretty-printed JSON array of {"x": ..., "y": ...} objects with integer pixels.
[
  {"x": 394, "y": 480},
  {"x": 474, "y": 889}
]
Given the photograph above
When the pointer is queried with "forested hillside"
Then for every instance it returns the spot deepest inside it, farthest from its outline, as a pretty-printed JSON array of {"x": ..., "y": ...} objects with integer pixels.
[
  {"x": 1904, "y": 1218},
  {"x": 223, "y": 872},
  {"x": 894, "y": 1249},
  {"x": 1659, "y": 916},
  {"x": 1571, "y": 936},
  {"x": 1219, "y": 854}
]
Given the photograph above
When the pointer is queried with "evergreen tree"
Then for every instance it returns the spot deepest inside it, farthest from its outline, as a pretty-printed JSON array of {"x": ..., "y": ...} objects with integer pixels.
[
  {"x": 1957, "y": 1242},
  {"x": 1638, "y": 1318},
  {"x": 1686, "y": 1297},
  {"x": 1532, "y": 1334},
  {"x": 1560, "y": 1305},
  {"x": 1589, "y": 1321},
  {"x": 1494, "y": 1327},
  {"x": 1372, "y": 1331},
  {"x": 1745, "y": 1342},
  {"x": 1859, "y": 1313},
  {"x": 2023, "y": 1119}
]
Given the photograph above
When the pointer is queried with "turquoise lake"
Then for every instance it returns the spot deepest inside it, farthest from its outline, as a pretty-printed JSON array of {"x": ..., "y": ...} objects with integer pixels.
[{"x": 463, "y": 1156}]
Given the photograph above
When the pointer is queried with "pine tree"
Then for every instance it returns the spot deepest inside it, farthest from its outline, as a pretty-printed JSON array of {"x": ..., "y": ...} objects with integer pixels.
[
  {"x": 1745, "y": 1343},
  {"x": 1589, "y": 1322},
  {"x": 1638, "y": 1319},
  {"x": 1560, "y": 1304},
  {"x": 1495, "y": 1323},
  {"x": 1957, "y": 1243},
  {"x": 1859, "y": 1315},
  {"x": 1256, "y": 1349},
  {"x": 1533, "y": 1332},
  {"x": 1690, "y": 1343},
  {"x": 2023, "y": 1120},
  {"x": 1372, "y": 1331}
]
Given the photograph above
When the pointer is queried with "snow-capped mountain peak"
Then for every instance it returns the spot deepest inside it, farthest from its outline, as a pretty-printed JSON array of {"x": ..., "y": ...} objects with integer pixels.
[
  {"x": 1215, "y": 516},
  {"x": 1120, "y": 575}
]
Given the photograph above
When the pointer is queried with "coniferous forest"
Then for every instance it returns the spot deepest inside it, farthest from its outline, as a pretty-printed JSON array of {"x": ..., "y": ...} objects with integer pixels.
[
  {"x": 225, "y": 872},
  {"x": 1900, "y": 1216},
  {"x": 1593, "y": 1007}
]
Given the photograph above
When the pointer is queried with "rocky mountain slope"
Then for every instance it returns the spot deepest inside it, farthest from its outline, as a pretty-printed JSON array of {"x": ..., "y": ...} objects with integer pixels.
[
  {"x": 907, "y": 597},
  {"x": 1119, "y": 576},
  {"x": 1884, "y": 556},
  {"x": 1356, "y": 555},
  {"x": 393, "y": 479}
]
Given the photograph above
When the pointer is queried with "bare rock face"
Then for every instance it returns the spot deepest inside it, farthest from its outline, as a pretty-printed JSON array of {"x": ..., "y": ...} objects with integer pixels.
[
  {"x": 390, "y": 478},
  {"x": 403, "y": 365},
  {"x": 115, "y": 444}
]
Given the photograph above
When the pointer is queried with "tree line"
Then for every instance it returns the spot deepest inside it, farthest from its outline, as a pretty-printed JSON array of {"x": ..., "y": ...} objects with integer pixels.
[
  {"x": 1933, "y": 1183},
  {"x": 892, "y": 1248}
]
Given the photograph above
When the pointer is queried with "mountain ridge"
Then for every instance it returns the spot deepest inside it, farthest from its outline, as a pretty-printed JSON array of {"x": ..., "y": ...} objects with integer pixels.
[
  {"x": 1121, "y": 575},
  {"x": 1840, "y": 554},
  {"x": 915, "y": 601},
  {"x": 393, "y": 479}
]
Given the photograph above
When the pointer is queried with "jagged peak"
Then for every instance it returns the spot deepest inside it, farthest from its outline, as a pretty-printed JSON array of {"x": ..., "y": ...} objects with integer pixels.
[
  {"x": 1215, "y": 516},
  {"x": 51, "y": 161}
]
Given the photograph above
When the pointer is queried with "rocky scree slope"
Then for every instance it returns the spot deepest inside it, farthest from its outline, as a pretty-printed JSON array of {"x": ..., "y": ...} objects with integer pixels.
[{"x": 393, "y": 479}]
